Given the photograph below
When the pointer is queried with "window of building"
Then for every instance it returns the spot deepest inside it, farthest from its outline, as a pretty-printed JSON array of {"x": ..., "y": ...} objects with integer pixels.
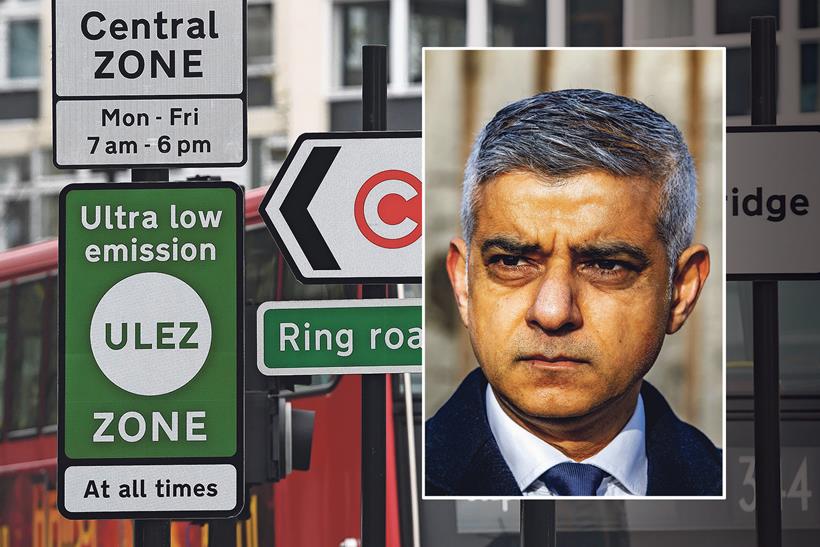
[
  {"x": 808, "y": 77},
  {"x": 23, "y": 49},
  {"x": 260, "y": 90},
  {"x": 435, "y": 23},
  {"x": 799, "y": 337},
  {"x": 799, "y": 302},
  {"x": 19, "y": 59},
  {"x": 738, "y": 81},
  {"x": 16, "y": 220},
  {"x": 732, "y": 16},
  {"x": 49, "y": 210},
  {"x": 739, "y": 353},
  {"x": 518, "y": 23},
  {"x": 726, "y": 23},
  {"x": 19, "y": 44},
  {"x": 255, "y": 159},
  {"x": 45, "y": 164},
  {"x": 663, "y": 18},
  {"x": 50, "y": 324},
  {"x": 260, "y": 33},
  {"x": 4, "y": 331},
  {"x": 265, "y": 157},
  {"x": 809, "y": 13},
  {"x": 361, "y": 23},
  {"x": 595, "y": 22},
  {"x": 14, "y": 170},
  {"x": 260, "y": 53},
  {"x": 27, "y": 355},
  {"x": 260, "y": 265}
]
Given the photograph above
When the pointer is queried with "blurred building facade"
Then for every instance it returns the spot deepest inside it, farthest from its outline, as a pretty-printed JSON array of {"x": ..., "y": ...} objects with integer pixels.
[
  {"x": 304, "y": 68},
  {"x": 304, "y": 72}
]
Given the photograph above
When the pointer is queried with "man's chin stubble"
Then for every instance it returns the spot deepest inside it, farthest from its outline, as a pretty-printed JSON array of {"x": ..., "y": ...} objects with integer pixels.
[{"x": 563, "y": 420}]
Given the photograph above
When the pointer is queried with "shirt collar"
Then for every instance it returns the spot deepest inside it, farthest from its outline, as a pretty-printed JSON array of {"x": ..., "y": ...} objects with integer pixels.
[
  {"x": 625, "y": 456},
  {"x": 528, "y": 456}
]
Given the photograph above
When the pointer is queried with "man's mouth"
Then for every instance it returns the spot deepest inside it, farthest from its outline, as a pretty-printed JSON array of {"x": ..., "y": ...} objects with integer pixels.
[{"x": 557, "y": 361}]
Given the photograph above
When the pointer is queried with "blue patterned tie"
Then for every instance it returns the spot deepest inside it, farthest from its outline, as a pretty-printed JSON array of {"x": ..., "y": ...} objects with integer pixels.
[{"x": 573, "y": 479}]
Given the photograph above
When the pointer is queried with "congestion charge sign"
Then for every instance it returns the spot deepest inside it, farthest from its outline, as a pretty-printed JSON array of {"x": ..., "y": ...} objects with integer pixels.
[
  {"x": 346, "y": 207},
  {"x": 150, "y": 83},
  {"x": 151, "y": 382}
]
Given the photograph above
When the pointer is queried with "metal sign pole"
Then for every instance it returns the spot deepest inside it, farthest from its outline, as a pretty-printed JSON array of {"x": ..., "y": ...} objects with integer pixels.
[
  {"x": 537, "y": 523},
  {"x": 151, "y": 533},
  {"x": 764, "y": 317},
  {"x": 374, "y": 407},
  {"x": 149, "y": 175}
]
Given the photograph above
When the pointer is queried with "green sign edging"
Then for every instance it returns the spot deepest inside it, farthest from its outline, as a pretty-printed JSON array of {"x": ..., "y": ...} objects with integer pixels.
[
  {"x": 339, "y": 337},
  {"x": 100, "y": 267}
]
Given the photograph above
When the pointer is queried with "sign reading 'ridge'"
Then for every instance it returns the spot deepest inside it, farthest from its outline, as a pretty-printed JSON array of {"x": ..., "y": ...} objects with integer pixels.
[{"x": 772, "y": 214}]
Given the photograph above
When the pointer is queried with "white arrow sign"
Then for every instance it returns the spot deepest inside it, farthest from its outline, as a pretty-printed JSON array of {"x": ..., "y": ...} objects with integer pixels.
[{"x": 346, "y": 207}]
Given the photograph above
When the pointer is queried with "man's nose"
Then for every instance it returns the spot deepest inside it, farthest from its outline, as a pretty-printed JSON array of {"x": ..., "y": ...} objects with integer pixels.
[{"x": 555, "y": 307}]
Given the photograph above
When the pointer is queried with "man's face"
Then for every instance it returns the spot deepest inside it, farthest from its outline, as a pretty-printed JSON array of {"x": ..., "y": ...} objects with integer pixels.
[{"x": 567, "y": 293}]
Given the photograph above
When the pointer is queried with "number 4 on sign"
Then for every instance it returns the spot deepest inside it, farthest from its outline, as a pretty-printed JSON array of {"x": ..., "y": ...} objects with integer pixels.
[{"x": 799, "y": 488}]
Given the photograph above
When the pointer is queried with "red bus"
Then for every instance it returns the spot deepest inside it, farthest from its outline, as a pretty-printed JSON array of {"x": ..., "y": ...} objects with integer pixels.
[{"x": 307, "y": 508}]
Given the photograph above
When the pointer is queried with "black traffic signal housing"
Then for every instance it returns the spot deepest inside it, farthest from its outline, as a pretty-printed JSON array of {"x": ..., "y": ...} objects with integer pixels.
[{"x": 278, "y": 437}]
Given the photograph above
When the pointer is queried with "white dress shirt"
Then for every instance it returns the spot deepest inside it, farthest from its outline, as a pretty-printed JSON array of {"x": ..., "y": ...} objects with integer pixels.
[{"x": 528, "y": 457}]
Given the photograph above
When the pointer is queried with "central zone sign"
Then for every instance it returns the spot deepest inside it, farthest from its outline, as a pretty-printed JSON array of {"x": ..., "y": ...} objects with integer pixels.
[
  {"x": 153, "y": 83},
  {"x": 151, "y": 372}
]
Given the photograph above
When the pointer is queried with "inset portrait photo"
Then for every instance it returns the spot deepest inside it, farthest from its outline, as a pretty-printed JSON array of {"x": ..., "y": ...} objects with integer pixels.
[{"x": 574, "y": 278}]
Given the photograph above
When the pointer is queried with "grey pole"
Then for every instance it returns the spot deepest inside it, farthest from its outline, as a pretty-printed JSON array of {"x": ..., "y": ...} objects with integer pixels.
[
  {"x": 374, "y": 406},
  {"x": 151, "y": 533},
  {"x": 764, "y": 317},
  {"x": 538, "y": 523}
]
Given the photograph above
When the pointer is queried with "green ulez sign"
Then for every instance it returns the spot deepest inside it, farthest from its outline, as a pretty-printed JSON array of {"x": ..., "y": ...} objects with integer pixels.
[
  {"x": 339, "y": 337},
  {"x": 151, "y": 349}
]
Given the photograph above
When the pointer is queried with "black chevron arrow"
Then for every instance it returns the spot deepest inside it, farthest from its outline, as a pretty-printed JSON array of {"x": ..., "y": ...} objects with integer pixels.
[{"x": 294, "y": 208}]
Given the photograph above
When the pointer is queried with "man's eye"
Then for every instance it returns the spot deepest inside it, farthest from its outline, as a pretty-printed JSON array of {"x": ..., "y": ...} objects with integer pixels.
[
  {"x": 606, "y": 264},
  {"x": 507, "y": 260},
  {"x": 607, "y": 268}
]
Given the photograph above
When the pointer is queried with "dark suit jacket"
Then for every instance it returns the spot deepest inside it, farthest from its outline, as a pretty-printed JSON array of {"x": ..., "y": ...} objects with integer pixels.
[{"x": 463, "y": 459}]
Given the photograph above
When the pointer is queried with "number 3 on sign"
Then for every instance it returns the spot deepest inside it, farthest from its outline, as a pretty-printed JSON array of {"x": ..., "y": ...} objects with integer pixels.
[{"x": 799, "y": 488}]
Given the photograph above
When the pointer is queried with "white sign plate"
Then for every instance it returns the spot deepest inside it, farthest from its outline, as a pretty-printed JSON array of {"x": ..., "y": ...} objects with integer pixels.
[
  {"x": 150, "y": 488},
  {"x": 346, "y": 207},
  {"x": 147, "y": 58},
  {"x": 773, "y": 202},
  {"x": 150, "y": 131}
]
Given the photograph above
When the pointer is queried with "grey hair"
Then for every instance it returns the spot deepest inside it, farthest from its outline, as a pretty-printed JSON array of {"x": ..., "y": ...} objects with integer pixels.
[{"x": 573, "y": 131}]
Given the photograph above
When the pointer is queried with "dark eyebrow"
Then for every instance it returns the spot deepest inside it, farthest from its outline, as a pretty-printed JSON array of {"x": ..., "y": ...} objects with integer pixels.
[
  {"x": 609, "y": 250},
  {"x": 509, "y": 244}
]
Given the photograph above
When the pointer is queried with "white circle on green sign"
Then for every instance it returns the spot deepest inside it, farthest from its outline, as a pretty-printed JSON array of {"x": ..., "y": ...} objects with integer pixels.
[{"x": 150, "y": 333}]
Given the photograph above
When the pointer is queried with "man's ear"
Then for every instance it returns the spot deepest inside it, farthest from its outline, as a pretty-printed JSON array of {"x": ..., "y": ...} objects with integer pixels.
[
  {"x": 457, "y": 271},
  {"x": 691, "y": 272}
]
